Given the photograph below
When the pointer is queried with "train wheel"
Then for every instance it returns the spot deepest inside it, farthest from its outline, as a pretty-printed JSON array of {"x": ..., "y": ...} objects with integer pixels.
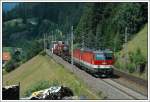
[
  {"x": 82, "y": 68},
  {"x": 96, "y": 75},
  {"x": 111, "y": 75}
]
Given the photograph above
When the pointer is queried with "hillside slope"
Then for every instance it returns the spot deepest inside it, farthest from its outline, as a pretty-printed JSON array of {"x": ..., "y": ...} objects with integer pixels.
[
  {"x": 140, "y": 41},
  {"x": 42, "y": 68}
]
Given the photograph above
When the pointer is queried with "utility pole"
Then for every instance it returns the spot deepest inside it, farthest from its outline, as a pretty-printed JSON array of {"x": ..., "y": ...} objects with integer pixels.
[
  {"x": 49, "y": 41},
  {"x": 55, "y": 34},
  {"x": 126, "y": 34},
  {"x": 115, "y": 41},
  {"x": 114, "y": 45},
  {"x": 44, "y": 42},
  {"x": 72, "y": 45},
  {"x": 68, "y": 37},
  {"x": 52, "y": 43},
  {"x": 82, "y": 41},
  {"x": 52, "y": 36},
  {"x": 125, "y": 46}
]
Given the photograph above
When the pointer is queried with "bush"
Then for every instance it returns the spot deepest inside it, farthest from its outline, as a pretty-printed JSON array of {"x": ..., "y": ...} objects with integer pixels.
[
  {"x": 36, "y": 87},
  {"x": 131, "y": 67},
  {"x": 138, "y": 59},
  {"x": 40, "y": 85},
  {"x": 117, "y": 64},
  {"x": 43, "y": 53},
  {"x": 131, "y": 57},
  {"x": 11, "y": 65},
  {"x": 17, "y": 56}
]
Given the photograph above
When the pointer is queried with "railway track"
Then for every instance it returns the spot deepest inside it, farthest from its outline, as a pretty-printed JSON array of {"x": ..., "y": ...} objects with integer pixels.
[
  {"x": 110, "y": 88},
  {"x": 132, "y": 93},
  {"x": 135, "y": 85},
  {"x": 131, "y": 78}
]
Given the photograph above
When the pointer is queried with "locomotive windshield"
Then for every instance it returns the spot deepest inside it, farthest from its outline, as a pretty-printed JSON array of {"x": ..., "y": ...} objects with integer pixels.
[
  {"x": 104, "y": 56},
  {"x": 99, "y": 56}
]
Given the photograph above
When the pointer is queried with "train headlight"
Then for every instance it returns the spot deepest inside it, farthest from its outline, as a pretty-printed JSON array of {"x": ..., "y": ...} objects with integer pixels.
[{"x": 104, "y": 63}]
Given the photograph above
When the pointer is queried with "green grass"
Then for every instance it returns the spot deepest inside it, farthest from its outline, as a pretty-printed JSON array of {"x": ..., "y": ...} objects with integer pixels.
[
  {"x": 139, "y": 41},
  {"x": 4, "y": 71},
  {"x": 43, "y": 68}
]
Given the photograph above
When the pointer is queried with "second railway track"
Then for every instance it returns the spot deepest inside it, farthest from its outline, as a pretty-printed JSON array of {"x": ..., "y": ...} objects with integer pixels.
[
  {"x": 124, "y": 89},
  {"x": 110, "y": 88}
]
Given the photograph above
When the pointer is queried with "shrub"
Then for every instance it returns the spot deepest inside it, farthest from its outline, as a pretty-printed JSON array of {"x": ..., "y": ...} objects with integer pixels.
[
  {"x": 43, "y": 53},
  {"x": 131, "y": 67},
  {"x": 138, "y": 59},
  {"x": 54, "y": 83},
  {"x": 117, "y": 64},
  {"x": 131, "y": 57},
  {"x": 12, "y": 64},
  {"x": 17, "y": 56},
  {"x": 37, "y": 86},
  {"x": 40, "y": 85}
]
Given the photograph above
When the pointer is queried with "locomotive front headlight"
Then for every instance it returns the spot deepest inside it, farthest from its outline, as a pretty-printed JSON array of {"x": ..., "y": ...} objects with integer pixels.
[{"x": 104, "y": 63}]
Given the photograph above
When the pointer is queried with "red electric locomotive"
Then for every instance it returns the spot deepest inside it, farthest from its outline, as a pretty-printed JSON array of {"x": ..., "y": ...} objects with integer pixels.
[{"x": 100, "y": 63}]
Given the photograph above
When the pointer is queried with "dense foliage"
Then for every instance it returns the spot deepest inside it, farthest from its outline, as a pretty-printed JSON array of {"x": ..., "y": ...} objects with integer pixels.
[
  {"x": 24, "y": 25},
  {"x": 14, "y": 62},
  {"x": 99, "y": 24},
  {"x": 96, "y": 25},
  {"x": 102, "y": 25}
]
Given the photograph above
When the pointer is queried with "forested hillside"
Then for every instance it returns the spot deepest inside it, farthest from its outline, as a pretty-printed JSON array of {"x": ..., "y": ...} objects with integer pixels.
[
  {"x": 102, "y": 25},
  {"x": 96, "y": 25},
  {"x": 24, "y": 25},
  {"x": 60, "y": 15},
  {"x": 136, "y": 54},
  {"x": 106, "y": 21}
]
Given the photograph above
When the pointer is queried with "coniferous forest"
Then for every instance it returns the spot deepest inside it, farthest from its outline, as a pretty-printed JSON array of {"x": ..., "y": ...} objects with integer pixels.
[
  {"x": 96, "y": 22},
  {"x": 97, "y": 25}
]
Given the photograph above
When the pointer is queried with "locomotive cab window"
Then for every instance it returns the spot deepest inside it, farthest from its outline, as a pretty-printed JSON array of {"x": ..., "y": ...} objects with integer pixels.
[{"x": 109, "y": 56}]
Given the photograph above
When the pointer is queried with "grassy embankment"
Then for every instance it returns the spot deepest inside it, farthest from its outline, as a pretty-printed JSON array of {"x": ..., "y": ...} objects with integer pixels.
[
  {"x": 140, "y": 41},
  {"x": 43, "y": 68}
]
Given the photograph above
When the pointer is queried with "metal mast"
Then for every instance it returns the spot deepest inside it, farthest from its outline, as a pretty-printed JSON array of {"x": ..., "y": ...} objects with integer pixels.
[
  {"x": 82, "y": 41},
  {"x": 125, "y": 45},
  {"x": 44, "y": 42},
  {"x": 72, "y": 45}
]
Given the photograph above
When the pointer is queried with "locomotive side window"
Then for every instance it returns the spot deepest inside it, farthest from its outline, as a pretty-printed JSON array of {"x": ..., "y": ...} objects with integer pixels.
[
  {"x": 108, "y": 56},
  {"x": 99, "y": 56}
]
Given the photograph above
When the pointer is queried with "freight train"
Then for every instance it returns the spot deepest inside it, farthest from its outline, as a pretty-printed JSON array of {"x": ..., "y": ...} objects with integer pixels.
[{"x": 98, "y": 63}]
